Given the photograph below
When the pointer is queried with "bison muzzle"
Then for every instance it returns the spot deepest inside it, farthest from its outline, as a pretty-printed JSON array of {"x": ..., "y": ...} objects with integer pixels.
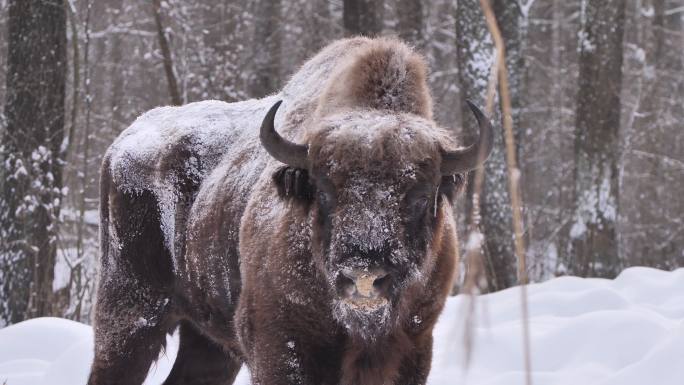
[{"x": 308, "y": 234}]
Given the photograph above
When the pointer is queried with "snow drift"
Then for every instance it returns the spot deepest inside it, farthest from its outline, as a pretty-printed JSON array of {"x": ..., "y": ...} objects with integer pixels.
[{"x": 627, "y": 331}]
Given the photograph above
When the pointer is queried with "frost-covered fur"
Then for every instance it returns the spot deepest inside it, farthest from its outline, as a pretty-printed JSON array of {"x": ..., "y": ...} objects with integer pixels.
[{"x": 197, "y": 231}]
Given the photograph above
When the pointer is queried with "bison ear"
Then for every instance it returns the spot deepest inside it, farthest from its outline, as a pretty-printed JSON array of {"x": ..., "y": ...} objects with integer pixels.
[
  {"x": 452, "y": 185},
  {"x": 293, "y": 182}
]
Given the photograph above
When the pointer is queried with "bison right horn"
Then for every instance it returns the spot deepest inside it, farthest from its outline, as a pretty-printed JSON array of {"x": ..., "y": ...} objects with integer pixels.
[
  {"x": 473, "y": 156},
  {"x": 281, "y": 149}
]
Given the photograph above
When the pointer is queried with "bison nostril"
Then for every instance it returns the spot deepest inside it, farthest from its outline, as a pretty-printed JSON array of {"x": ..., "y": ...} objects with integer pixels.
[
  {"x": 381, "y": 281},
  {"x": 346, "y": 285}
]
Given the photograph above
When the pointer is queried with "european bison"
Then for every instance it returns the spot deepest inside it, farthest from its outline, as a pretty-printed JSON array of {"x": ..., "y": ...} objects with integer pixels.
[{"x": 324, "y": 258}]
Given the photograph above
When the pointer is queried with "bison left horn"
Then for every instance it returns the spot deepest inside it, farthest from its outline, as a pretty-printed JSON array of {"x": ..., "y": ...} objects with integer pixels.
[
  {"x": 473, "y": 156},
  {"x": 281, "y": 149}
]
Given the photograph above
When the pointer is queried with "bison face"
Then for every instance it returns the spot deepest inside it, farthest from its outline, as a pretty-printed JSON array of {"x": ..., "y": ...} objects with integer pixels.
[
  {"x": 374, "y": 184},
  {"x": 373, "y": 235}
]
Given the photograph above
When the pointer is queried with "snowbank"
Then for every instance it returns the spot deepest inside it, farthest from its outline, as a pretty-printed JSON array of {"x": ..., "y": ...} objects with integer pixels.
[{"x": 628, "y": 331}]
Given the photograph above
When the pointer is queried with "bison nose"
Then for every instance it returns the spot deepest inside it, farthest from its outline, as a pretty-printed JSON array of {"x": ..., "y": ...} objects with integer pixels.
[{"x": 367, "y": 284}]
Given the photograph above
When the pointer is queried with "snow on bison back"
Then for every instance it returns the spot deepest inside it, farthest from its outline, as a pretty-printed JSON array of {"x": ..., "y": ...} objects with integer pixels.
[{"x": 322, "y": 256}]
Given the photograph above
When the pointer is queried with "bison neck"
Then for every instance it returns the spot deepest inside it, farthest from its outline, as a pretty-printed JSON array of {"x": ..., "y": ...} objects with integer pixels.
[{"x": 374, "y": 362}]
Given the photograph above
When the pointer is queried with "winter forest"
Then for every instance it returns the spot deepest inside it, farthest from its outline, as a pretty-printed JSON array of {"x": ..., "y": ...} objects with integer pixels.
[{"x": 596, "y": 90}]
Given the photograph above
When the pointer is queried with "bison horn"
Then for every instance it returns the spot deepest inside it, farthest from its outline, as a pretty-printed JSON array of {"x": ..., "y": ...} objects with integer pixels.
[
  {"x": 473, "y": 156},
  {"x": 281, "y": 149}
]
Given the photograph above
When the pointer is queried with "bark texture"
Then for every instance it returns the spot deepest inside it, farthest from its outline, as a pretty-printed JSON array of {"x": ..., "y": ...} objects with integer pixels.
[
  {"x": 410, "y": 23},
  {"x": 174, "y": 92},
  {"x": 593, "y": 242},
  {"x": 31, "y": 165},
  {"x": 267, "y": 52},
  {"x": 363, "y": 17}
]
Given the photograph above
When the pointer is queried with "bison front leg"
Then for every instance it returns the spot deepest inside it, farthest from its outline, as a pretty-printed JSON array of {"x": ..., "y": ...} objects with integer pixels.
[
  {"x": 201, "y": 361},
  {"x": 291, "y": 362},
  {"x": 127, "y": 338},
  {"x": 132, "y": 313},
  {"x": 415, "y": 367},
  {"x": 282, "y": 348}
]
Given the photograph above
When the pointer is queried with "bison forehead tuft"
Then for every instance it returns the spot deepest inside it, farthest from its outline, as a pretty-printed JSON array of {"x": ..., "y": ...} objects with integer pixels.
[
  {"x": 368, "y": 216},
  {"x": 375, "y": 141}
]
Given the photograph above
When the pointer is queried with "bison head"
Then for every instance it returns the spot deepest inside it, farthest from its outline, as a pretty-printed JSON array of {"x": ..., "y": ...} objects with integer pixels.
[{"x": 375, "y": 184}]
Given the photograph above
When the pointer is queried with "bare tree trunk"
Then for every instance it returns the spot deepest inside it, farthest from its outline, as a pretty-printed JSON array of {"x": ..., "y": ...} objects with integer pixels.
[
  {"x": 411, "y": 23},
  {"x": 32, "y": 172},
  {"x": 267, "y": 48},
  {"x": 69, "y": 137},
  {"x": 475, "y": 54},
  {"x": 77, "y": 270},
  {"x": 166, "y": 53},
  {"x": 593, "y": 243},
  {"x": 513, "y": 25},
  {"x": 86, "y": 137},
  {"x": 363, "y": 17},
  {"x": 651, "y": 170}
]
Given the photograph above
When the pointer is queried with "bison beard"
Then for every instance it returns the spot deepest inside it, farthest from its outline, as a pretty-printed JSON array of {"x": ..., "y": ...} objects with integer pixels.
[{"x": 308, "y": 234}]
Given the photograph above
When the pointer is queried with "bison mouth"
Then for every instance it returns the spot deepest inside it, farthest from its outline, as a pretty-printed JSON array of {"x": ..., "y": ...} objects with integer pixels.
[
  {"x": 363, "y": 305},
  {"x": 364, "y": 319}
]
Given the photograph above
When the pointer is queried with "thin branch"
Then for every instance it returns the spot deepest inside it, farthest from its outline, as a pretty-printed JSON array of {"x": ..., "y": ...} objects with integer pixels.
[{"x": 669, "y": 161}]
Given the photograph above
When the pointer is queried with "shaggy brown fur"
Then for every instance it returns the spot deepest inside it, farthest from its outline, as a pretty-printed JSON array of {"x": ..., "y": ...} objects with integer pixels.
[
  {"x": 202, "y": 228},
  {"x": 383, "y": 76}
]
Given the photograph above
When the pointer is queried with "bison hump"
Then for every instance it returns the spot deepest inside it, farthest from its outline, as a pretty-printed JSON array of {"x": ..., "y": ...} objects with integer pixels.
[{"x": 384, "y": 74}]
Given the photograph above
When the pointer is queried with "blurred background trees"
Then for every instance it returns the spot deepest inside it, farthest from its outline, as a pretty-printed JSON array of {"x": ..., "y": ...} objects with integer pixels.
[
  {"x": 597, "y": 91},
  {"x": 593, "y": 239}
]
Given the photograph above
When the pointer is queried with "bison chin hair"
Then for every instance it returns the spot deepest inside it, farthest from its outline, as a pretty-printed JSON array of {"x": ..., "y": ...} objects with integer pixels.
[{"x": 365, "y": 323}]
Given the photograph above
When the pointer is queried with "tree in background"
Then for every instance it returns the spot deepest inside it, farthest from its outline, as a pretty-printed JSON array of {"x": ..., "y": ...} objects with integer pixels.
[
  {"x": 215, "y": 46},
  {"x": 410, "y": 23},
  {"x": 266, "y": 51},
  {"x": 169, "y": 70},
  {"x": 475, "y": 55},
  {"x": 546, "y": 129},
  {"x": 31, "y": 171},
  {"x": 652, "y": 139},
  {"x": 363, "y": 17},
  {"x": 308, "y": 26},
  {"x": 593, "y": 239}
]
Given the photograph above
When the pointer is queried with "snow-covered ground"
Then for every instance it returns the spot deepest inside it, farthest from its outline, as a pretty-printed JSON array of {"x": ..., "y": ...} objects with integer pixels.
[{"x": 628, "y": 331}]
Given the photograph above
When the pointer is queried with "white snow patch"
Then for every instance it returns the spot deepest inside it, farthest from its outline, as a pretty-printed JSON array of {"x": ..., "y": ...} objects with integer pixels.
[{"x": 627, "y": 331}]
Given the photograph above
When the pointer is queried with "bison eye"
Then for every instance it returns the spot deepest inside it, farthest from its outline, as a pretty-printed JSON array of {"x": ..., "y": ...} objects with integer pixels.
[
  {"x": 452, "y": 185},
  {"x": 325, "y": 193},
  {"x": 420, "y": 206},
  {"x": 325, "y": 200},
  {"x": 293, "y": 182}
]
